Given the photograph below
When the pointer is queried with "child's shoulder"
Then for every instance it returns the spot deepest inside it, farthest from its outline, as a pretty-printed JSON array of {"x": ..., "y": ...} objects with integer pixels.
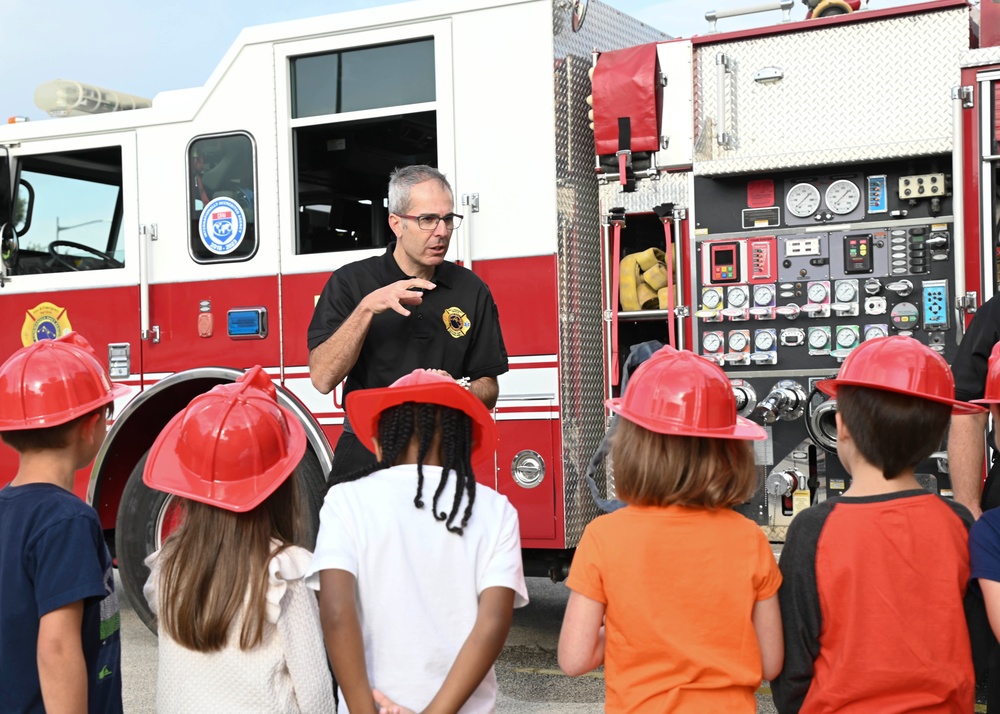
[
  {"x": 988, "y": 525},
  {"x": 44, "y": 501}
]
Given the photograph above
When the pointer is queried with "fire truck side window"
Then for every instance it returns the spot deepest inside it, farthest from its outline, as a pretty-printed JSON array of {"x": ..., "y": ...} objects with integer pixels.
[
  {"x": 342, "y": 164},
  {"x": 68, "y": 212},
  {"x": 221, "y": 185}
]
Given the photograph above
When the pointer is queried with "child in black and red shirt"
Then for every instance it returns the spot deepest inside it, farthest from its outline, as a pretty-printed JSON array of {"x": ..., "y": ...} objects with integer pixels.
[{"x": 872, "y": 600}]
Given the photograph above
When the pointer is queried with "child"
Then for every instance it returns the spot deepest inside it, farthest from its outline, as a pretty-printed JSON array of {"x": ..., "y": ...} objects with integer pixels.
[
  {"x": 676, "y": 592},
  {"x": 239, "y": 630},
  {"x": 875, "y": 580},
  {"x": 60, "y": 640},
  {"x": 984, "y": 538},
  {"x": 417, "y": 591}
]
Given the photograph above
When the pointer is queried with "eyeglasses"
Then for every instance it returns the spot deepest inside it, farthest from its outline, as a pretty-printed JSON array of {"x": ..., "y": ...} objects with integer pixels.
[
  {"x": 429, "y": 221},
  {"x": 109, "y": 412}
]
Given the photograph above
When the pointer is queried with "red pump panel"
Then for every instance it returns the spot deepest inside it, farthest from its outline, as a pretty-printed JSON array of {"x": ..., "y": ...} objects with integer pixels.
[{"x": 625, "y": 86}]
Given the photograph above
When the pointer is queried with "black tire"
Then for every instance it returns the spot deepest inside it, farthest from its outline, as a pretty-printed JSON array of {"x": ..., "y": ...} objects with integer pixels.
[
  {"x": 135, "y": 538},
  {"x": 140, "y": 511},
  {"x": 833, "y": 11}
]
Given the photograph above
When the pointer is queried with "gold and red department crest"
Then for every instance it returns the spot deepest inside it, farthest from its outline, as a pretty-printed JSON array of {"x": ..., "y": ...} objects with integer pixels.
[
  {"x": 45, "y": 321},
  {"x": 456, "y": 321}
]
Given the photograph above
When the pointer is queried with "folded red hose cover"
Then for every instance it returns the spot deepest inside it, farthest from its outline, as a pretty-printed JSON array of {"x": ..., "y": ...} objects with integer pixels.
[{"x": 625, "y": 86}]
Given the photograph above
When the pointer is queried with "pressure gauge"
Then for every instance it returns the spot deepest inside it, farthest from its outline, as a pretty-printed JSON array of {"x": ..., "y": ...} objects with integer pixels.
[
  {"x": 711, "y": 342},
  {"x": 737, "y": 297},
  {"x": 817, "y": 292},
  {"x": 802, "y": 200},
  {"x": 846, "y": 291},
  {"x": 818, "y": 339},
  {"x": 763, "y": 295},
  {"x": 846, "y": 337},
  {"x": 873, "y": 332},
  {"x": 842, "y": 196},
  {"x": 737, "y": 342},
  {"x": 711, "y": 299},
  {"x": 764, "y": 341}
]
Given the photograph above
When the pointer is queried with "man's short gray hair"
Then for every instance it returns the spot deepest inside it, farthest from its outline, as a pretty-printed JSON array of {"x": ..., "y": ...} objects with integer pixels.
[{"x": 402, "y": 181}]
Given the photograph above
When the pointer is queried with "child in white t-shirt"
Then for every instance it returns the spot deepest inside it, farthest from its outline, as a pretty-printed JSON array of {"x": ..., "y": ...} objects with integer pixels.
[{"x": 417, "y": 591}]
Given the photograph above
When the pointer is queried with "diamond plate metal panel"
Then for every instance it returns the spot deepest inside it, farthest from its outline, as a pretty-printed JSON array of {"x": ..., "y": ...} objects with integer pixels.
[
  {"x": 981, "y": 57},
  {"x": 581, "y": 329},
  {"x": 850, "y": 92},
  {"x": 668, "y": 188}
]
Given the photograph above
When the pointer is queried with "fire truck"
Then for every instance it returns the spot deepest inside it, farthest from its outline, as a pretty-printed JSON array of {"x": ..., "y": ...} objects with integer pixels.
[
  {"x": 189, "y": 237},
  {"x": 766, "y": 198},
  {"x": 771, "y": 198}
]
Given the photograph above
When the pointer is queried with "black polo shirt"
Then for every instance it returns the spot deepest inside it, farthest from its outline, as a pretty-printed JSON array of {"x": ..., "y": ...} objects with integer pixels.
[{"x": 456, "y": 328}]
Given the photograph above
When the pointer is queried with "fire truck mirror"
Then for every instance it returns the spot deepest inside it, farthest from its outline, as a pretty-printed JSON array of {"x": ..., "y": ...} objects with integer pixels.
[
  {"x": 24, "y": 204},
  {"x": 8, "y": 245}
]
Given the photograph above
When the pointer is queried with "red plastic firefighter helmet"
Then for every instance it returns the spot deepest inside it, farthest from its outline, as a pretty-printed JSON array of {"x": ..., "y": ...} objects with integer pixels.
[
  {"x": 52, "y": 382},
  {"x": 231, "y": 447},
  {"x": 364, "y": 407},
  {"x": 992, "y": 395},
  {"x": 681, "y": 394},
  {"x": 902, "y": 365}
]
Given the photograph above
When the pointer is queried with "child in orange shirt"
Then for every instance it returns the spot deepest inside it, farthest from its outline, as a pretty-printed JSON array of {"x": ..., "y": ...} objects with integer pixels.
[{"x": 676, "y": 593}]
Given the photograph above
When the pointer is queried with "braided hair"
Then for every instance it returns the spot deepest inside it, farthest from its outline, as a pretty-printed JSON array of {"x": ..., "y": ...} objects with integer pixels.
[{"x": 398, "y": 425}]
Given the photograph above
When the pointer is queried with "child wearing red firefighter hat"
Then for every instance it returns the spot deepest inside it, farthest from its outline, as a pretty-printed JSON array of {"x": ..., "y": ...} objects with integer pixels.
[
  {"x": 676, "y": 594},
  {"x": 239, "y": 630},
  {"x": 875, "y": 581},
  {"x": 984, "y": 538},
  {"x": 418, "y": 566},
  {"x": 60, "y": 640}
]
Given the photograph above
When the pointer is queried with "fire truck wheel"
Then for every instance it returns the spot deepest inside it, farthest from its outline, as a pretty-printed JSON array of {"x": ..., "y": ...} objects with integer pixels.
[
  {"x": 140, "y": 511},
  {"x": 146, "y": 517}
]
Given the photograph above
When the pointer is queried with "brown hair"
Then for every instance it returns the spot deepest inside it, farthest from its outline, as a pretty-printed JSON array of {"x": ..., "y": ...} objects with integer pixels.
[
  {"x": 48, "y": 437},
  {"x": 654, "y": 469},
  {"x": 892, "y": 431},
  {"x": 208, "y": 564}
]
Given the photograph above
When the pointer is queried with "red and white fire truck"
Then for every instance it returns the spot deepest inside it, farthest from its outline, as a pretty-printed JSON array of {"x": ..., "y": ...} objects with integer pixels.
[
  {"x": 189, "y": 240},
  {"x": 818, "y": 184},
  {"x": 811, "y": 185}
]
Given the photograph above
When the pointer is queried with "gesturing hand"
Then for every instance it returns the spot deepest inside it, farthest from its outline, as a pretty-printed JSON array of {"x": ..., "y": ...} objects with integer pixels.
[{"x": 396, "y": 295}]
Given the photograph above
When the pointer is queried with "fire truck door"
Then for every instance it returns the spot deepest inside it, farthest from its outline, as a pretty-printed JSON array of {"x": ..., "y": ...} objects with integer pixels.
[
  {"x": 211, "y": 253},
  {"x": 74, "y": 264},
  {"x": 989, "y": 86}
]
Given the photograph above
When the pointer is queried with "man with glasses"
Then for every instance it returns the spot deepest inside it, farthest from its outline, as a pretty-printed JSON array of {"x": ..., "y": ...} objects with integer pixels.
[{"x": 380, "y": 318}]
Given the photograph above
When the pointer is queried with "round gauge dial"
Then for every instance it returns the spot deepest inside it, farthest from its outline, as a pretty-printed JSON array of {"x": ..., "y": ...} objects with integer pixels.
[
  {"x": 842, "y": 196},
  {"x": 817, "y": 292},
  {"x": 711, "y": 299},
  {"x": 763, "y": 295},
  {"x": 845, "y": 338},
  {"x": 737, "y": 342},
  {"x": 802, "y": 200},
  {"x": 818, "y": 339},
  {"x": 711, "y": 342},
  {"x": 874, "y": 332},
  {"x": 764, "y": 341},
  {"x": 737, "y": 297},
  {"x": 846, "y": 291}
]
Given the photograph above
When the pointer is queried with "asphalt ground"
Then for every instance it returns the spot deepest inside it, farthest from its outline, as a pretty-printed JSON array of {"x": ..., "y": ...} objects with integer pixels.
[{"x": 529, "y": 678}]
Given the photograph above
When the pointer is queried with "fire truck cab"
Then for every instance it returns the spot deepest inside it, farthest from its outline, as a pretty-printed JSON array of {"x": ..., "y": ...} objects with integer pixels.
[{"x": 189, "y": 240}]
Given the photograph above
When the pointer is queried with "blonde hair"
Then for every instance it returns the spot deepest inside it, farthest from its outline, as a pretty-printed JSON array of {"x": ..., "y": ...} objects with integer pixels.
[
  {"x": 209, "y": 563},
  {"x": 654, "y": 469}
]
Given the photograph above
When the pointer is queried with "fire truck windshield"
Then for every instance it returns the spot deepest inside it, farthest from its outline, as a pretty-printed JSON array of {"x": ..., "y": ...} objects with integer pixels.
[{"x": 67, "y": 212}]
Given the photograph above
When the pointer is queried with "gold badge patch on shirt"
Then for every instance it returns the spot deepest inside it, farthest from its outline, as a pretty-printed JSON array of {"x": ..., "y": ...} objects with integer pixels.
[{"x": 456, "y": 321}]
